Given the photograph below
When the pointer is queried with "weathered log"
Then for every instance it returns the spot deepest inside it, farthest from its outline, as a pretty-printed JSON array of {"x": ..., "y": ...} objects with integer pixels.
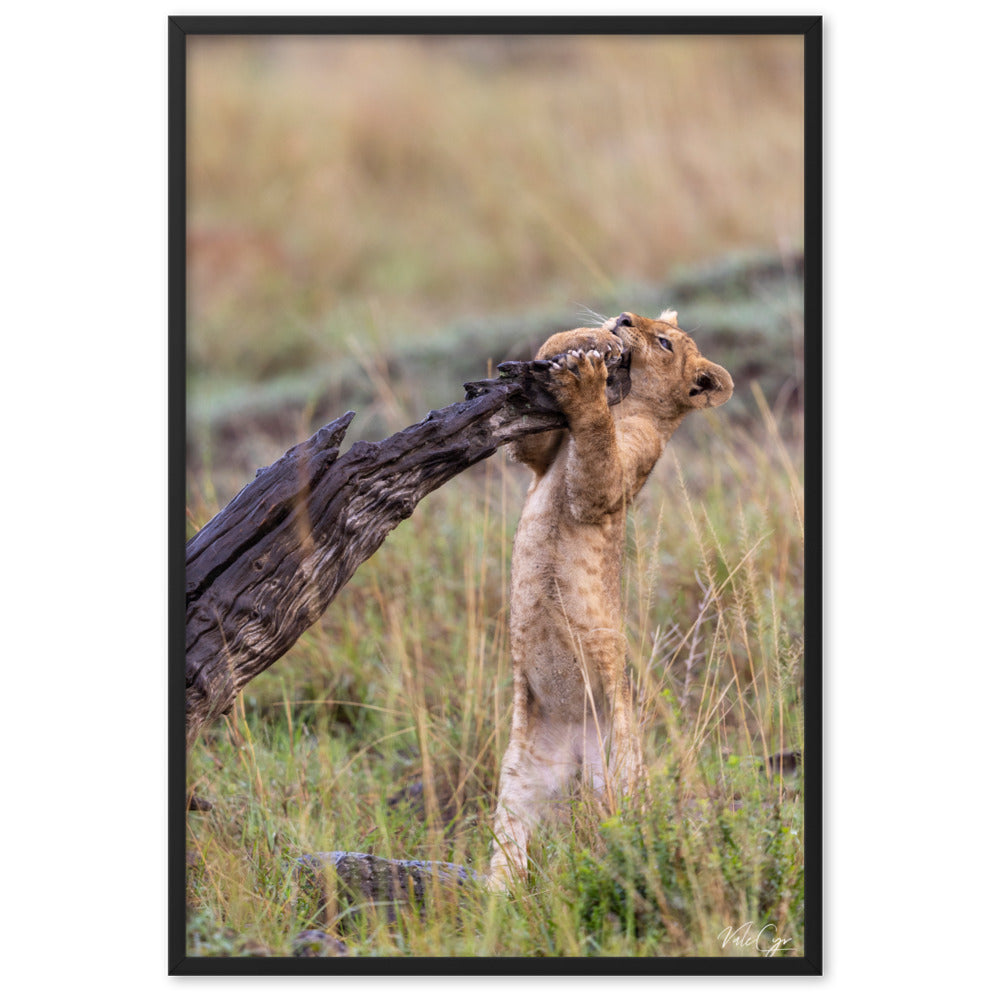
[
  {"x": 268, "y": 565},
  {"x": 331, "y": 882}
]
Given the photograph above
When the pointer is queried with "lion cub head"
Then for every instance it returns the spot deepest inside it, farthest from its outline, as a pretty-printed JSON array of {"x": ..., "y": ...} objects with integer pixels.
[{"x": 668, "y": 372}]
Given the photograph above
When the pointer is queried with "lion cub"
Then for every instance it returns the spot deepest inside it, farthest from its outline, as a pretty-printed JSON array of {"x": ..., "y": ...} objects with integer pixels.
[{"x": 572, "y": 702}]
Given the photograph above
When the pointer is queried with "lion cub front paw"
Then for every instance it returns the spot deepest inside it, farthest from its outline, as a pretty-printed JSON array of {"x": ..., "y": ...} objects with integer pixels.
[
  {"x": 578, "y": 381},
  {"x": 559, "y": 344}
]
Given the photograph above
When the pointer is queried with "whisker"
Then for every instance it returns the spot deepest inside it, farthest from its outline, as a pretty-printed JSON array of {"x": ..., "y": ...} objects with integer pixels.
[{"x": 585, "y": 313}]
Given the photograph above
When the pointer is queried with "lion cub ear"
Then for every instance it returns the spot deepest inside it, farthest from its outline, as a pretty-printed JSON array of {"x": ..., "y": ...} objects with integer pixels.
[{"x": 669, "y": 316}]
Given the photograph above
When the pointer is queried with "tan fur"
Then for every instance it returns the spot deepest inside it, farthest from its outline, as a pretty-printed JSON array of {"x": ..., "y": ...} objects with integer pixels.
[{"x": 572, "y": 702}]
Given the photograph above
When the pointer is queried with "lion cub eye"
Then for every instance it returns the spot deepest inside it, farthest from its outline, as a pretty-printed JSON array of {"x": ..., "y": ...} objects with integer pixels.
[{"x": 665, "y": 344}]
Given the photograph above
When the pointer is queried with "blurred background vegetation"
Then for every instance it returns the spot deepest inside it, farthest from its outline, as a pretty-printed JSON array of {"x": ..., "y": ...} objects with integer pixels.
[
  {"x": 373, "y": 221},
  {"x": 411, "y": 208}
]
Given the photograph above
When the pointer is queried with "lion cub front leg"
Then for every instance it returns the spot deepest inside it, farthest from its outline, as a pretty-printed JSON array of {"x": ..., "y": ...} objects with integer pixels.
[
  {"x": 594, "y": 480},
  {"x": 538, "y": 451}
]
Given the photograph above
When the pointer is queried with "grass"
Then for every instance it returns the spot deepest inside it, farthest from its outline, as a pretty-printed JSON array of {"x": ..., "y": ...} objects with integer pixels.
[{"x": 382, "y": 730}]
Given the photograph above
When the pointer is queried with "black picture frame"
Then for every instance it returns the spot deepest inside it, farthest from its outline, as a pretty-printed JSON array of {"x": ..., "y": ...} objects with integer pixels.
[{"x": 182, "y": 28}]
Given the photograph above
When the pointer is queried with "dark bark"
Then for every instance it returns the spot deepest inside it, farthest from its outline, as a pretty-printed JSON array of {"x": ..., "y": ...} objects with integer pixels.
[
  {"x": 331, "y": 882},
  {"x": 267, "y": 566}
]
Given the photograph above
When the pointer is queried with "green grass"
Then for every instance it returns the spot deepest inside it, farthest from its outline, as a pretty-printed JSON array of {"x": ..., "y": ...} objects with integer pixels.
[{"x": 402, "y": 693}]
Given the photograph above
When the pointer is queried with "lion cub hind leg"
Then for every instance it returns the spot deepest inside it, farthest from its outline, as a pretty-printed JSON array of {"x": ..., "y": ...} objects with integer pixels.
[
  {"x": 621, "y": 773},
  {"x": 536, "y": 768},
  {"x": 628, "y": 765}
]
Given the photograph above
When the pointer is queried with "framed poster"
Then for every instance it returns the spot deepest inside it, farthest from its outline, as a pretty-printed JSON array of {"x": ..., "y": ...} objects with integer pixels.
[{"x": 412, "y": 736}]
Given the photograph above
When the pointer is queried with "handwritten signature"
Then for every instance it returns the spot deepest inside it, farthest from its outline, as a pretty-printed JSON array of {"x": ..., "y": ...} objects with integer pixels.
[{"x": 765, "y": 940}]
